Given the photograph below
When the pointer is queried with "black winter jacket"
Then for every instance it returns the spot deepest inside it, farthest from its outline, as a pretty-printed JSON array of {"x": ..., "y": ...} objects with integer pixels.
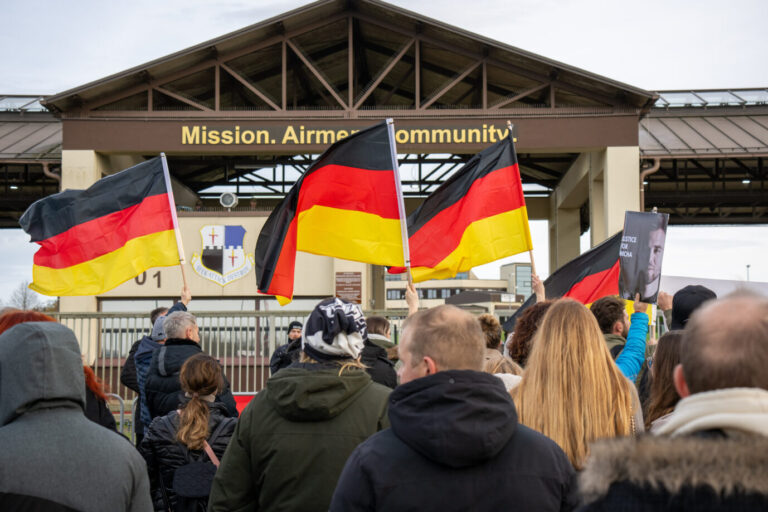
[
  {"x": 98, "y": 411},
  {"x": 163, "y": 388},
  {"x": 163, "y": 452},
  {"x": 129, "y": 377},
  {"x": 380, "y": 368},
  {"x": 128, "y": 373},
  {"x": 284, "y": 356},
  {"x": 455, "y": 444}
]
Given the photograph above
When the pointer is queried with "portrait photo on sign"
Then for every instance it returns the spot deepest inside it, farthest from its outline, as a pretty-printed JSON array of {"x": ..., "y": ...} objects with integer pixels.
[{"x": 641, "y": 254}]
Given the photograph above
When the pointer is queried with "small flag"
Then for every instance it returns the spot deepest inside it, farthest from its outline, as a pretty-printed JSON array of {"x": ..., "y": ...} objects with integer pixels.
[
  {"x": 475, "y": 217},
  {"x": 345, "y": 206},
  {"x": 95, "y": 239},
  {"x": 592, "y": 275}
]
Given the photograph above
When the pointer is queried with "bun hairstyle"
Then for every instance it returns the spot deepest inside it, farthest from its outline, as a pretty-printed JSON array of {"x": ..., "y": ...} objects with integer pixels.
[
  {"x": 491, "y": 329},
  {"x": 200, "y": 376}
]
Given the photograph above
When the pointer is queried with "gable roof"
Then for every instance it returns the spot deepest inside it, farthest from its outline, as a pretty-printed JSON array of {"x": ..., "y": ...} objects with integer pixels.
[{"x": 470, "y": 44}]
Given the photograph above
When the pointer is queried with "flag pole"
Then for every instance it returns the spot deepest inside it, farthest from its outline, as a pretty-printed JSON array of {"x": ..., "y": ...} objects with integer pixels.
[
  {"x": 176, "y": 230},
  {"x": 530, "y": 252},
  {"x": 400, "y": 203}
]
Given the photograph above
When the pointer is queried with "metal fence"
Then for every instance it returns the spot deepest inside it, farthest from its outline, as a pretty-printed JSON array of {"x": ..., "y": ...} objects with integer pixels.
[{"x": 242, "y": 341}]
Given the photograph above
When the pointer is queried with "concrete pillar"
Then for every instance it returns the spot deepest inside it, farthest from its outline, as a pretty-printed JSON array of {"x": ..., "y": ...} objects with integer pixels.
[
  {"x": 378, "y": 292},
  {"x": 86, "y": 329},
  {"x": 564, "y": 218},
  {"x": 597, "y": 228},
  {"x": 79, "y": 170},
  {"x": 614, "y": 189},
  {"x": 622, "y": 189},
  {"x": 564, "y": 228}
]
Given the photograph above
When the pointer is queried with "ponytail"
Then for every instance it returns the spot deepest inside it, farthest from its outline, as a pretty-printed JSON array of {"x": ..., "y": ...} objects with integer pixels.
[{"x": 200, "y": 376}]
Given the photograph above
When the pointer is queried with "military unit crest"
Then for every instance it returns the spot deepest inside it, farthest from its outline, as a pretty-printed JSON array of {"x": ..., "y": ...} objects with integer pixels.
[{"x": 223, "y": 259}]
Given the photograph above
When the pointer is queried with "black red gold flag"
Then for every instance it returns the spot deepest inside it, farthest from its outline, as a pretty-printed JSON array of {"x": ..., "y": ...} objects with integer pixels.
[
  {"x": 95, "y": 239},
  {"x": 345, "y": 206},
  {"x": 592, "y": 275},
  {"x": 475, "y": 217}
]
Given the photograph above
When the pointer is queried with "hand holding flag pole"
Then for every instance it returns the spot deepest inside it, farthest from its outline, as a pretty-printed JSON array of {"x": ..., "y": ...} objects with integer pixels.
[
  {"x": 176, "y": 229},
  {"x": 530, "y": 252}
]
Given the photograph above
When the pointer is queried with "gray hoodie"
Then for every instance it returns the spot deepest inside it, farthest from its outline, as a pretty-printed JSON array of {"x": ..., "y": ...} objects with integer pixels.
[{"x": 51, "y": 453}]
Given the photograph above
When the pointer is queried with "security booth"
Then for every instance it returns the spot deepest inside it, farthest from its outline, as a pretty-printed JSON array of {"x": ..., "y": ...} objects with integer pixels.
[{"x": 241, "y": 118}]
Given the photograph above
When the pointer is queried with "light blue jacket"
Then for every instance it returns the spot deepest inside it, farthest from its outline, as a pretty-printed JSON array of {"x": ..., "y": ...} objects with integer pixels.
[{"x": 632, "y": 356}]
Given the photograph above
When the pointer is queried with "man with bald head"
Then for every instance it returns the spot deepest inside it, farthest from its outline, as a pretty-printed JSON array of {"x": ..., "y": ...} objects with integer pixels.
[
  {"x": 712, "y": 453},
  {"x": 454, "y": 441}
]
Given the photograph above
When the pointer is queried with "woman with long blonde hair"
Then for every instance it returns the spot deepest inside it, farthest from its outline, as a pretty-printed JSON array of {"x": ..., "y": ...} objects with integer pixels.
[{"x": 572, "y": 391}]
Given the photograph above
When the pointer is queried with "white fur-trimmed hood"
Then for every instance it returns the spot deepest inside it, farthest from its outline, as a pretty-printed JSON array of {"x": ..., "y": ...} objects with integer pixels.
[{"x": 726, "y": 465}]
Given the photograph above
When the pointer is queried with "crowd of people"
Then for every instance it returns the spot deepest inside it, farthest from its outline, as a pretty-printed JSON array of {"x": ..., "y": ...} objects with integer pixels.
[{"x": 580, "y": 408}]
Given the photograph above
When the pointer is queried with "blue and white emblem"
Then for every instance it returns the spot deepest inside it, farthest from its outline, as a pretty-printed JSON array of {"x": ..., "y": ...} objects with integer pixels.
[{"x": 223, "y": 259}]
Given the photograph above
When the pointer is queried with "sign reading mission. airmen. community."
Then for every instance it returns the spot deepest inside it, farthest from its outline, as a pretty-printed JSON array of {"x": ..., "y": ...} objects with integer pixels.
[{"x": 200, "y": 134}]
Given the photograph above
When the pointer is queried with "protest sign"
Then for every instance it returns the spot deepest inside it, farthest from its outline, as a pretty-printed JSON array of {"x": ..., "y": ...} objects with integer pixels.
[{"x": 641, "y": 253}]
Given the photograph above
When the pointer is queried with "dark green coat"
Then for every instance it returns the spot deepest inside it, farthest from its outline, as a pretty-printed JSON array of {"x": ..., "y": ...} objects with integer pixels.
[{"x": 293, "y": 439}]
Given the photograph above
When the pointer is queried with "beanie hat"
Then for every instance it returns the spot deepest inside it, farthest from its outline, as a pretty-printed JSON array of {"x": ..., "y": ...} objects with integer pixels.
[
  {"x": 294, "y": 325},
  {"x": 158, "y": 331},
  {"x": 334, "y": 330},
  {"x": 686, "y": 301}
]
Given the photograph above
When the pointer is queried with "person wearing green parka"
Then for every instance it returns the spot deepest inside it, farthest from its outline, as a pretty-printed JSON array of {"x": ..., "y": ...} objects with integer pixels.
[{"x": 292, "y": 441}]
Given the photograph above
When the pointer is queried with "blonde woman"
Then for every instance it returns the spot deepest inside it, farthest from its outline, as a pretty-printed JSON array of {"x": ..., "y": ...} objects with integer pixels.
[{"x": 572, "y": 391}]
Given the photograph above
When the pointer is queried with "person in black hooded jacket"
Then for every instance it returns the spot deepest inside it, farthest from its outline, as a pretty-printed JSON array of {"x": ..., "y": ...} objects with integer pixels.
[
  {"x": 374, "y": 355},
  {"x": 163, "y": 389},
  {"x": 179, "y": 437},
  {"x": 454, "y": 441}
]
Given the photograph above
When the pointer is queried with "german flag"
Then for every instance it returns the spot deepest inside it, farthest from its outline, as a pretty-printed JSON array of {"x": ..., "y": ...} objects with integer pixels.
[
  {"x": 346, "y": 206},
  {"x": 93, "y": 240},
  {"x": 592, "y": 275},
  {"x": 475, "y": 217}
]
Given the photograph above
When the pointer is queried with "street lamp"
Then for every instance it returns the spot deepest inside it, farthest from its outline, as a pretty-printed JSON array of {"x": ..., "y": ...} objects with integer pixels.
[{"x": 748, "y": 272}]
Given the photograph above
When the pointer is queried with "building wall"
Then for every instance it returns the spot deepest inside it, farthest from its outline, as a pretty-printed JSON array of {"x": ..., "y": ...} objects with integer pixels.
[{"x": 434, "y": 292}]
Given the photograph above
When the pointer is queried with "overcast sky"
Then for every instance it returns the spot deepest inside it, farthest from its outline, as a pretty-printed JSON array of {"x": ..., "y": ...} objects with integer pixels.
[{"x": 50, "y": 46}]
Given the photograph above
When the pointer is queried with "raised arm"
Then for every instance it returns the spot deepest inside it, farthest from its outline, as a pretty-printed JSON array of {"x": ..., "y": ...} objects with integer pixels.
[{"x": 631, "y": 358}]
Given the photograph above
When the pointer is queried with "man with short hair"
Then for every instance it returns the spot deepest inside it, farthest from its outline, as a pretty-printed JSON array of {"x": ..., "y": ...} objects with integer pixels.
[
  {"x": 712, "y": 453},
  {"x": 652, "y": 275},
  {"x": 454, "y": 441},
  {"x": 163, "y": 389},
  {"x": 130, "y": 374},
  {"x": 286, "y": 354},
  {"x": 625, "y": 340}
]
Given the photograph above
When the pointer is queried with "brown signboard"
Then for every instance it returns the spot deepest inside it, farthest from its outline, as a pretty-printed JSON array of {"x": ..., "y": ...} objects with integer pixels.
[
  {"x": 248, "y": 136},
  {"x": 349, "y": 286}
]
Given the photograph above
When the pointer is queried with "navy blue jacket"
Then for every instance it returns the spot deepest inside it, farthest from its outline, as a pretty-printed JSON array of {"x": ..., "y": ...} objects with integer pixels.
[
  {"x": 455, "y": 444},
  {"x": 163, "y": 389}
]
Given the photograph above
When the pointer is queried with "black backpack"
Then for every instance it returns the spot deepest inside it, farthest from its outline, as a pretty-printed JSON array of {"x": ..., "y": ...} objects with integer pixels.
[{"x": 192, "y": 481}]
